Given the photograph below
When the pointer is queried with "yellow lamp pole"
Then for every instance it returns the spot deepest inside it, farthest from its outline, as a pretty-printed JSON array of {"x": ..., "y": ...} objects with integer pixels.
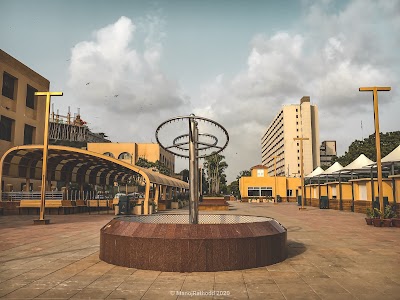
[
  {"x": 301, "y": 171},
  {"x": 375, "y": 90},
  {"x": 276, "y": 199},
  {"x": 42, "y": 220}
]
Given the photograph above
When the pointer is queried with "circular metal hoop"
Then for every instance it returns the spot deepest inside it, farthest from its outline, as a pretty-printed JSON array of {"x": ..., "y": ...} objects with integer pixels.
[
  {"x": 179, "y": 146},
  {"x": 200, "y": 145}
]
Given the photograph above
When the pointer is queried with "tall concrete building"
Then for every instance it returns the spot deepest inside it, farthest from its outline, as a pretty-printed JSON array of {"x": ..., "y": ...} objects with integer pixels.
[
  {"x": 293, "y": 121},
  {"x": 327, "y": 152},
  {"x": 22, "y": 114}
]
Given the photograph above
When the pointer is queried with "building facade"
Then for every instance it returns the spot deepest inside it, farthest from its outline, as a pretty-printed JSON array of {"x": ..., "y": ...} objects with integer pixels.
[
  {"x": 22, "y": 114},
  {"x": 327, "y": 152},
  {"x": 131, "y": 152},
  {"x": 280, "y": 151},
  {"x": 261, "y": 185}
]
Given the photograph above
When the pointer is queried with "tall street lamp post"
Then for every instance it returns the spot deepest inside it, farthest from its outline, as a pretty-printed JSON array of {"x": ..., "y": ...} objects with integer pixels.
[
  {"x": 375, "y": 90},
  {"x": 276, "y": 194},
  {"x": 41, "y": 219},
  {"x": 301, "y": 171}
]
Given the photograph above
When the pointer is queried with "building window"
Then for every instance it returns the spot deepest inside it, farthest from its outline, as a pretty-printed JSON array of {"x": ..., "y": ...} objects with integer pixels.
[
  {"x": 30, "y": 96},
  {"x": 109, "y": 154},
  {"x": 297, "y": 144},
  {"x": 297, "y": 110},
  {"x": 28, "y": 134},
  {"x": 297, "y": 129},
  {"x": 297, "y": 123},
  {"x": 289, "y": 193},
  {"x": 298, "y": 165},
  {"x": 124, "y": 155},
  {"x": 6, "y": 126},
  {"x": 298, "y": 151},
  {"x": 8, "y": 85},
  {"x": 259, "y": 191},
  {"x": 297, "y": 116}
]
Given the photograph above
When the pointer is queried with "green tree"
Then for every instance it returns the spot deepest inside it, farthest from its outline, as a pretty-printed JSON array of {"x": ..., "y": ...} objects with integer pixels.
[
  {"x": 233, "y": 188},
  {"x": 157, "y": 166},
  {"x": 244, "y": 173},
  {"x": 389, "y": 141},
  {"x": 215, "y": 167}
]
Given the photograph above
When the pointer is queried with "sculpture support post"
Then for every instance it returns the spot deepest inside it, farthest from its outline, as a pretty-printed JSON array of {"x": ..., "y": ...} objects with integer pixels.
[{"x": 193, "y": 173}]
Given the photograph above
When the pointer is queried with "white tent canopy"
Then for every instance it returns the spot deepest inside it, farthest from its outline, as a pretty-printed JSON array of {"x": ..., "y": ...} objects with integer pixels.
[
  {"x": 335, "y": 167},
  {"x": 360, "y": 163},
  {"x": 393, "y": 156},
  {"x": 317, "y": 171}
]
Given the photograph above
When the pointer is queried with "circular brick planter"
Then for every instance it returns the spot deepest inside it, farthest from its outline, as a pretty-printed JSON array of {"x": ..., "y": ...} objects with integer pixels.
[{"x": 169, "y": 243}]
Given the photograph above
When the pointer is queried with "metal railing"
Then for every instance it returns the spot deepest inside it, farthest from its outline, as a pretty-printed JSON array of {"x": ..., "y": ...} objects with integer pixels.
[{"x": 17, "y": 196}]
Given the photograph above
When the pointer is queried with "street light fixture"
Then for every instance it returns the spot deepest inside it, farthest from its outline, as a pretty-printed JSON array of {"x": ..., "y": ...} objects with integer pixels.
[
  {"x": 375, "y": 90},
  {"x": 41, "y": 219}
]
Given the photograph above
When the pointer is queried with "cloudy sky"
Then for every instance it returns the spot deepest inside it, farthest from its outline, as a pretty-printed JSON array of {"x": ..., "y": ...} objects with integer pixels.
[{"x": 130, "y": 65}]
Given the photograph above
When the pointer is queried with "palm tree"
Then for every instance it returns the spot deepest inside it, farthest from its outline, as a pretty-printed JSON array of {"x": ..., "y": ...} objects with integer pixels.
[{"x": 215, "y": 167}]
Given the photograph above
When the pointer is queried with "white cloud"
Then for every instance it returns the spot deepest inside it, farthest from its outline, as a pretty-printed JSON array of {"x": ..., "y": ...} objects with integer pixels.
[
  {"x": 328, "y": 56},
  {"x": 109, "y": 75}
]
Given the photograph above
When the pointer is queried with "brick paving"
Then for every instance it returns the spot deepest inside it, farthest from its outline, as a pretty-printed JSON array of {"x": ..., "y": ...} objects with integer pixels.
[{"x": 332, "y": 255}]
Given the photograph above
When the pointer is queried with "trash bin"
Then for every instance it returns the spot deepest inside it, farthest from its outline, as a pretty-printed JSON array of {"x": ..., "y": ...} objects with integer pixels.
[
  {"x": 299, "y": 200},
  {"x": 324, "y": 202},
  {"x": 123, "y": 205}
]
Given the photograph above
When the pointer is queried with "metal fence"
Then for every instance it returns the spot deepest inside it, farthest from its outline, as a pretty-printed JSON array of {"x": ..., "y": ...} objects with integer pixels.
[
  {"x": 203, "y": 219},
  {"x": 17, "y": 196}
]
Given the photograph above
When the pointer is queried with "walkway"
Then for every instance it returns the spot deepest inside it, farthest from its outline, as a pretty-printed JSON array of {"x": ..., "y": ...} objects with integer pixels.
[{"x": 332, "y": 255}]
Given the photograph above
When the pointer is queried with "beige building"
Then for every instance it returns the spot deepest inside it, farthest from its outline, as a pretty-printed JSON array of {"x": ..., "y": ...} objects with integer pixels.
[
  {"x": 22, "y": 114},
  {"x": 327, "y": 152},
  {"x": 131, "y": 152},
  {"x": 293, "y": 121}
]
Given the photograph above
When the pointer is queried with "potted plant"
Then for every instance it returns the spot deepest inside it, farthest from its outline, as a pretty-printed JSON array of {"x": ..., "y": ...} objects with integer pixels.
[
  {"x": 388, "y": 214},
  {"x": 395, "y": 220},
  {"x": 370, "y": 216},
  {"x": 376, "y": 219}
]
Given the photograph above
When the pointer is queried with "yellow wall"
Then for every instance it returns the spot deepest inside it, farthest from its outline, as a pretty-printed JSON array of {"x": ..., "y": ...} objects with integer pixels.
[
  {"x": 282, "y": 183},
  {"x": 16, "y": 108},
  {"x": 151, "y": 152},
  {"x": 386, "y": 186}
]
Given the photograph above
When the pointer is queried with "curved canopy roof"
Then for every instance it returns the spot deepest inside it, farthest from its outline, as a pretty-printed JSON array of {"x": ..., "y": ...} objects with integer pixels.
[
  {"x": 317, "y": 171},
  {"x": 335, "y": 167},
  {"x": 76, "y": 165},
  {"x": 393, "y": 156},
  {"x": 360, "y": 163}
]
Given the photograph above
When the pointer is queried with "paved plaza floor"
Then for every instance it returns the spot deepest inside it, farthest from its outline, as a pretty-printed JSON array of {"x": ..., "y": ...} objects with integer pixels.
[{"x": 332, "y": 255}]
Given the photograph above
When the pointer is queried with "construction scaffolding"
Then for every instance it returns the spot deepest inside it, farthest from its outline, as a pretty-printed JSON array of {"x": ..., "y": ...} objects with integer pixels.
[{"x": 72, "y": 129}]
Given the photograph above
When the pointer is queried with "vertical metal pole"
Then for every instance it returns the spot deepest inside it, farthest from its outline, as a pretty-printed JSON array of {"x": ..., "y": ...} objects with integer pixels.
[
  {"x": 393, "y": 186},
  {"x": 196, "y": 178},
  {"x": 378, "y": 151},
  {"x": 377, "y": 139},
  {"x": 276, "y": 197},
  {"x": 193, "y": 173},
  {"x": 45, "y": 153}
]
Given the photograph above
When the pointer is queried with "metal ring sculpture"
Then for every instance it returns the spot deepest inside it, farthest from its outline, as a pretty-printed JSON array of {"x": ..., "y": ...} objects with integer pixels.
[
  {"x": 190, "y": 142},
  {"x": 204, "y": 146}
]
